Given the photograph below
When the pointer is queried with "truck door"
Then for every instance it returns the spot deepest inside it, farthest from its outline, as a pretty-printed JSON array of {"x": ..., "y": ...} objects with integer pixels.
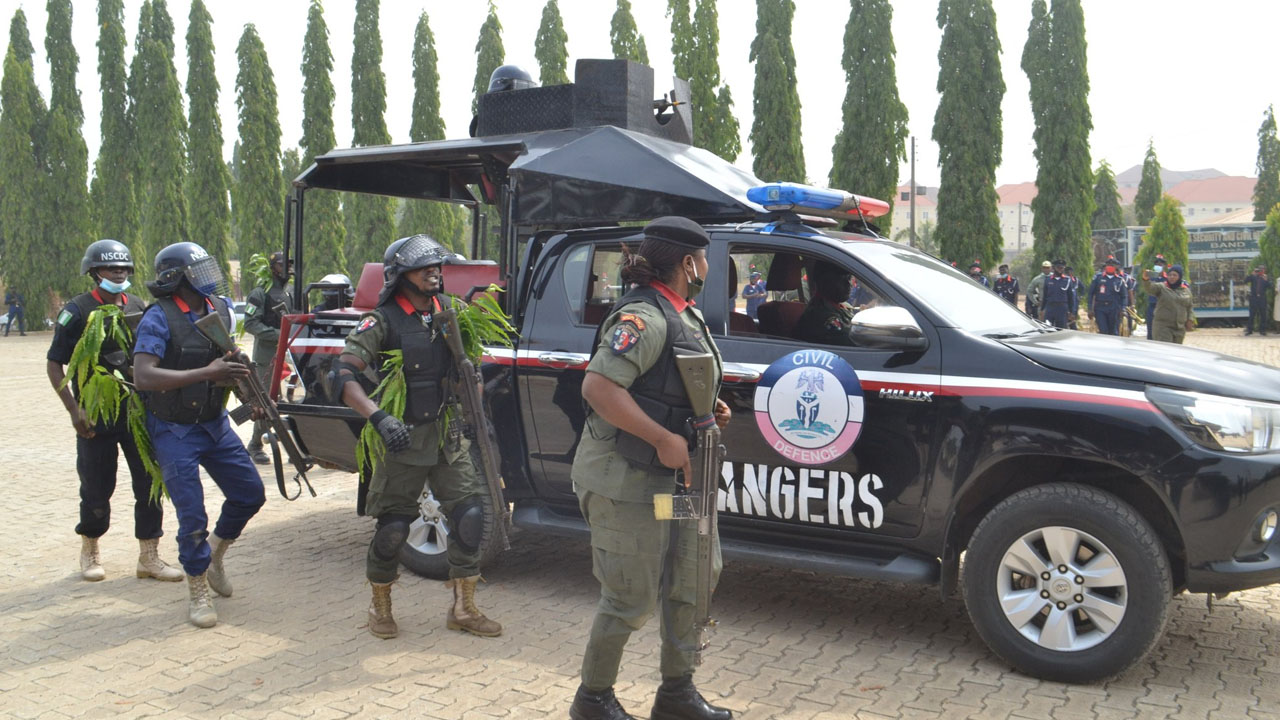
[
  {"x": 574, "y": 290},
  {"x": 879, "y": 486}
]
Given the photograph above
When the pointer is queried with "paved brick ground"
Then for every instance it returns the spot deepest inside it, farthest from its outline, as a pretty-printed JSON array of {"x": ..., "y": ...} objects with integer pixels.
[{"x": 292, "y": 643}]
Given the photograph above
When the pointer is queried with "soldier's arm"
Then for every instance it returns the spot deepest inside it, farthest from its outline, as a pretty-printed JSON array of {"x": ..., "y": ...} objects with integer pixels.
[{"x": 613, "y": 403}]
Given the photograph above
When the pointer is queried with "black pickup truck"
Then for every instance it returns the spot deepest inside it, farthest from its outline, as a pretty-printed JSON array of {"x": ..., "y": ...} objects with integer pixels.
[{"x": 1076, "y": 482}]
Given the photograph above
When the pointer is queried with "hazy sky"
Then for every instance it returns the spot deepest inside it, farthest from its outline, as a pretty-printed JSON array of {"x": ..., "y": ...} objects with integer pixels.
[{"x": 1190, "y": 76}]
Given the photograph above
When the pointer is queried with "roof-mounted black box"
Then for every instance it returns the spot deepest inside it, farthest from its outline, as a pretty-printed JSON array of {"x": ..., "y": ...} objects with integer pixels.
[{"x": 607, "y": 92}]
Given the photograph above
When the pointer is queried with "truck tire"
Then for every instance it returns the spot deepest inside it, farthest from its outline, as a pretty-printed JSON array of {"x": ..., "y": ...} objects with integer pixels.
[
  {"x": 1067, "y": 583},
  {"x": 426, "y": 550}
]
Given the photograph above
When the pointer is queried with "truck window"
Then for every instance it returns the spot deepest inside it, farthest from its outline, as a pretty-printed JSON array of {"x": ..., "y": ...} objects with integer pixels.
[
  {"x": 603, "y": 284},
  {"x": 574, "y": 278},
  {"x": 774, "y": 303}
]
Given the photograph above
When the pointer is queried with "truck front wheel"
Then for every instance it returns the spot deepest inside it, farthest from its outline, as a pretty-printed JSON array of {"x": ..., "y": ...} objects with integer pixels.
[
  {"x": 426, "y": 550},
  {"x": 1067, "y": 583}
]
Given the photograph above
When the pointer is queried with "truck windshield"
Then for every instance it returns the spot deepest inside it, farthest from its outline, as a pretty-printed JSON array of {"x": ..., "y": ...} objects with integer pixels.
[{"x": 948, "y": 292}]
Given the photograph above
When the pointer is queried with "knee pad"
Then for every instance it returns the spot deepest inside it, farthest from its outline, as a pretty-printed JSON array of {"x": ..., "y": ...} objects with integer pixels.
[
  {"x": 466, "y": 524},
  {"x": 391, "y": 534}
]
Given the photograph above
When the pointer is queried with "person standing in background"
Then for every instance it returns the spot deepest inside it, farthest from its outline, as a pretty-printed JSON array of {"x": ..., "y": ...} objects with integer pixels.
[
  {"x": 1259, "y": 284},
  {"x": 1035, "y": 290},
  {"x": 1007, "y": 286},
  {"x": 15, "y": 301}
]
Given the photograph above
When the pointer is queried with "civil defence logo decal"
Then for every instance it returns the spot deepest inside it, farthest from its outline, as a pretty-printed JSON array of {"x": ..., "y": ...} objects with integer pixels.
[{"x": 809, "y": 406}]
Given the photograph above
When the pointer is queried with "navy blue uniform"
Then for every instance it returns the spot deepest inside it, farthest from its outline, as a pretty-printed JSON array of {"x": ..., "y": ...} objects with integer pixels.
[
  {"x": 1060, "y": 300},
  {"x": 1108, "y": 296},
  {"x": 1258, "y": 287},
  {"x": 182, "y": 448},
  {"x": 1007, "y": 288}
]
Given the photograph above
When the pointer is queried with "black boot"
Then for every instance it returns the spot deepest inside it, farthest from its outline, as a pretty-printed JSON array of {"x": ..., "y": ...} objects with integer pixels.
[
  {"x": 678, "y": 699},
  {"x": 597, "y": 705}
]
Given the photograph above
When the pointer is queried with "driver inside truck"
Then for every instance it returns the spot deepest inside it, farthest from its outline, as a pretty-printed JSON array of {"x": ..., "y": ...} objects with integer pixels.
[{"x": 828, "y": 318}]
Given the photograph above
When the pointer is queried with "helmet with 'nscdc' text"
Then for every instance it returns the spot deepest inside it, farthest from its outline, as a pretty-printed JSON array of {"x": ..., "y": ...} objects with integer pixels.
[
  {"x": 106, "y": 253},
  {"x": 411, "y": 253},
  {"x": 186, "y": 260}
]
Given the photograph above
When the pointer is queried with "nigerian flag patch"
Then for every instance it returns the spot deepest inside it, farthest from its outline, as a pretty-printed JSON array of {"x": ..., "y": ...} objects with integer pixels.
[{"x": 64, "y": 317}]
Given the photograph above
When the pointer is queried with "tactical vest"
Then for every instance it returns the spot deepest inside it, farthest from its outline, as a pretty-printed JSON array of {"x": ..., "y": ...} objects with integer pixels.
[
  {"x": 427, "y": 361},
  {"x": 659, "y": 391},
  {"x": 274, "y": 296},
  {"x": 111, "y": 356},
  {"x": 187, "y": 350}
]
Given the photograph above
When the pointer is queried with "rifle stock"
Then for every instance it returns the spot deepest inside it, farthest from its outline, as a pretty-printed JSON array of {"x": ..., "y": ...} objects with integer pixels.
[
  {"x": 254, "y": 394},
  {"x": 473, "y": 410}
]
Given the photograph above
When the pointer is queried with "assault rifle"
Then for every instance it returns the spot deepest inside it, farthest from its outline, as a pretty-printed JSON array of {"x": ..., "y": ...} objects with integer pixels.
[
  {"x": 254, "y": 397},
  {"x": 696, "y": 499},
  {"x": 476, "y": 425}
]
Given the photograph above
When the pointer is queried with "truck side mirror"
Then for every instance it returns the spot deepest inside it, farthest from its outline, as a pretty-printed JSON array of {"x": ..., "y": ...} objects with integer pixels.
[{"x": 892, "y": 328}]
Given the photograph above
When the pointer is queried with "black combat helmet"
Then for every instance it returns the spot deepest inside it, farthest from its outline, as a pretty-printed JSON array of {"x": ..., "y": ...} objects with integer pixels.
[
  {"x": 106, "y": 253},
  {"x": 411, "y": 253},
  {"x": 510, "y": 77},
  {"x": 186, "y": 260}
]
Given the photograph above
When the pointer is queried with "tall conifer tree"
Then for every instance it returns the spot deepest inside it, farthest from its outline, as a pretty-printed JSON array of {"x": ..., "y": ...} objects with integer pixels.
[
  {"x": 1150, "y": 187},
  {"x": 715, "y": 127},
  {"x": 442, "y": 221},
  {"x": 1054, "y": 59},
  {"x": 69, "y": 226},
  {"x": 370, "y": 224},
  {"x": 115, "y": 208},
  {"x": 969, "y": 152},
  {"x": 489, "y": 54},
  {"x": 628, "y": 43},
  {"x": 326, "y": 231},
  {"x": 259, "y": 190},
  {"x": 27, "y": 262},
  {"x": 551, "y": 47},
  {"x": 775, "y": 130},
  {"x": 1106, "y": 200},
  {"x": 1266, "y": 193},
  {"x": 682, "y": 40},
  {"x": 208, "y": 185},
  {"x": 161, "y": 161},
  {"x": 24, "y": 51},
  {"x": 870, "y": 145}
]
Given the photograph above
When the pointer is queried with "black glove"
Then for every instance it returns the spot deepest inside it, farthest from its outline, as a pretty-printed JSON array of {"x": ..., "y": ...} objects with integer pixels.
[{"x": 395, "y": 434}]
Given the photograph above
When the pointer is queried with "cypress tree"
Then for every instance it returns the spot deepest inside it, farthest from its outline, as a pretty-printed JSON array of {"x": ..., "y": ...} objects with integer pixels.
[
  {"x": 161, "y": 162},
  {"x": 24, "y": 51},
  {"x": 370, "y": 224},
  {"x": 27, "y": 262},
  {"x": 115, "y": 209},
  {"x": 870, "y": 145},
  {"x": 208, "y": 185},
  {"x": 628, "y": 43},
  {"x": 1269, "y": 246},
  {"x": 715, "y": 127},
  {"x": 969, "y": 152},
  {"x": 259, "y": 190},
  {"x": 1150, "y": 187},
  {"x": 69, "y": 227},
  {"x": 775, "y": 130},
  {"x": 1266, "y": 193},
  {"x": 290, "y": 165},
  {"x": 1106, "y": 200},
  {"x": 325, "y": 230},
  {"x": 1167, "y": 236},
  {"x": 551, "y": 46},
  {"x": 1055, "y": 62},
  {"x": 443, "y": 221},
  {"x": 682, "y": 40},
  {"x": 489, "y": 54}
]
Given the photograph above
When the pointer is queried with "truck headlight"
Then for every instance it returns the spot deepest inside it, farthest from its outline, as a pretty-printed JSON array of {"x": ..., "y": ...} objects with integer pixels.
[{"x": 1221, "y": 423}]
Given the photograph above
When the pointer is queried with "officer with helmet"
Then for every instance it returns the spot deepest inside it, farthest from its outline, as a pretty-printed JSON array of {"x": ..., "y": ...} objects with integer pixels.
[
  {"x": 262, "y": 314},
  {"x": 336, "y": 293},
  {"x": 416, "y": 454},
  {"x": 184, "y": 379},
  {"x": 108, "y": 264}
]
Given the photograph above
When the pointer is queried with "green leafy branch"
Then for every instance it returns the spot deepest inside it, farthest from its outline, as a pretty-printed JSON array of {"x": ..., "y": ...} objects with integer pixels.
[
  {"x": 259, "y": 266},
  {"x": 482, "y": 322},
  {"x": 391, "y": 396}
]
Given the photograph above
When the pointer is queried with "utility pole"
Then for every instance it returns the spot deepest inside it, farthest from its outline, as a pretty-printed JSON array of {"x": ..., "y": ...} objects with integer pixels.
[
  {"x": 1019, "y": 227},
  {"x": 913, "y": 192}
]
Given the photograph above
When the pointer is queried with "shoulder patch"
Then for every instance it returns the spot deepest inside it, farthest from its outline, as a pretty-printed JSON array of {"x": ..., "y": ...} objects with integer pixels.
[
  {"x": 64, "y": 317},
  {"x": 633, "y": 319},
  {"x": 835, "y": 323},
  {"x": 366, "y": 323},
  {"x": 625, "y": 336}
]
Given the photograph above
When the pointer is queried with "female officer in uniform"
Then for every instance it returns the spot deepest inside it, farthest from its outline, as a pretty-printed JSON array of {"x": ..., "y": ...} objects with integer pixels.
[{"x": 633, "y": 442}]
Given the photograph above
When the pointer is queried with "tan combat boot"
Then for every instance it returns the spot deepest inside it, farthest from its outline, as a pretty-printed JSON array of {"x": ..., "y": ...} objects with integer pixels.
[
  {"x": 90, "y": 564},
  {"x": 151, "y": 566},
  {"x": 463, "y": 613},
  {"x": 200, "y": 609},
  {"x": 217, "y": 576},
  {"x": 381, "y": 624}
]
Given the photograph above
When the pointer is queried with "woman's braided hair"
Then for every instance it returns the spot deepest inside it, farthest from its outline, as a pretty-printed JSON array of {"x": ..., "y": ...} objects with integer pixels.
[{"x": 656, "y": 260}]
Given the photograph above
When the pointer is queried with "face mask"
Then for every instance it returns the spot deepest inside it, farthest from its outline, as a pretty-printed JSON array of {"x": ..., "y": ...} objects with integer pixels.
[
  {"x": 114, "y": 288},
  {"x": 1004, "y": 275},
  {"x": 695, "y": 284}
]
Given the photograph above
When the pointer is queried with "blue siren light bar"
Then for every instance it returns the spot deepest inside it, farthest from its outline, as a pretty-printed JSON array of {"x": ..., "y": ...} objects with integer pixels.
[{"x": 810, "y": 200}]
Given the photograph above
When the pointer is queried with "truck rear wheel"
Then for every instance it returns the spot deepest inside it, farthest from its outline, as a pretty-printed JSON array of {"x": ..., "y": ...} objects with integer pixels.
[
  {"x": 426, "y": 550},
  {"x": 1067, "y": 583}
]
